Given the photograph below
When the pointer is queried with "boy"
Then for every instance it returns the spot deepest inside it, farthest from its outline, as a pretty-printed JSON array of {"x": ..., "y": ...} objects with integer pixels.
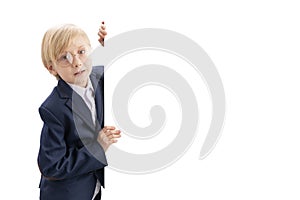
[{"x": 73, "y": 139}]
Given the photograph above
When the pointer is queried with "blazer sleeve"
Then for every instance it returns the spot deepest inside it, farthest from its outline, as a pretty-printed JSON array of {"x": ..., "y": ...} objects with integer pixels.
[{"x": 58, "y": 161}]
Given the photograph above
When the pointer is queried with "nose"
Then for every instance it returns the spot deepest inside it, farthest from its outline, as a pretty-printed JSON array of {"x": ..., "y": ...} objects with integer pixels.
[{"x": 76, "y": 61}]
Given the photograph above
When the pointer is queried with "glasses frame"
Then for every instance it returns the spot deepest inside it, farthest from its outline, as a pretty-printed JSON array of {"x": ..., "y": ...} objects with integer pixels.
[{"x": 67, "y": 58}]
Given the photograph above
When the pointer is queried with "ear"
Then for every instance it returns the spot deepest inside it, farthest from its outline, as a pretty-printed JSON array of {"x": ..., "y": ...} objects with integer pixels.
[{"x": 52, "y": 70}]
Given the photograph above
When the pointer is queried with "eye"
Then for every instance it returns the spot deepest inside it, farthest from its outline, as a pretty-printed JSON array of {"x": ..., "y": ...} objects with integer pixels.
[
  {"x": 81, "y": 51},
  {"x": 63, "y": 57}
]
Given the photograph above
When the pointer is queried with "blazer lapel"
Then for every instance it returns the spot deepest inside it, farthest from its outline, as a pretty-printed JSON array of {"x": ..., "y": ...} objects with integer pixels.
[
  {"x": 75, "y": 104},
  {"x": 97, "y": 80}
]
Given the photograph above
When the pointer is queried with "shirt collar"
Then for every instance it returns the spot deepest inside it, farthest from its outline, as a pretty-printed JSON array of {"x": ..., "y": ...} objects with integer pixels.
[{"x": 81, "y": 90}]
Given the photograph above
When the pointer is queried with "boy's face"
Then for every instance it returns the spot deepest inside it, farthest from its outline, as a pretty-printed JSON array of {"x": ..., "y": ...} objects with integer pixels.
[{"x": 73, "y": 64}]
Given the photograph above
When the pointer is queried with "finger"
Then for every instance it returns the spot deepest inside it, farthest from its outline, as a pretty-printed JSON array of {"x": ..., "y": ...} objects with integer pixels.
[
  {"x": 101, "y": 41},
  {"x": 103, "y": 27},
  {"x": 115, "y": 132},
  {"x": 103, "y": 24},
  {"x": 103, "y": 32},
  {"x": 116, "y": 136},
  {"x": 101, "y": 35},
  {"x": 110, "y": 127},
  {"x": 112, "y": 132},
  {"x": 111, "y": 136},
  {"x": 113, "y": 141}
]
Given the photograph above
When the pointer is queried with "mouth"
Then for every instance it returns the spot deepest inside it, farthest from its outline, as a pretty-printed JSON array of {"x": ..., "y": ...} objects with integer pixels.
[{"x": 79, "y": 72}]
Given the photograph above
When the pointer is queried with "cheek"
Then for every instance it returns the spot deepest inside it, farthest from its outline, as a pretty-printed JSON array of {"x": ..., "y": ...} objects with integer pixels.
[
  {"x": 88, "y": 63},
  {"x": 64, "y": 73},
  {"x": 89, "y": 67}
]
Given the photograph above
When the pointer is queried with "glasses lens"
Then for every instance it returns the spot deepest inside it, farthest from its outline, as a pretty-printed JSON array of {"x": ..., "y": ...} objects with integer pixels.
[
  {"x": 63, "y": 60},
  {"x": 67, "y": 58}
]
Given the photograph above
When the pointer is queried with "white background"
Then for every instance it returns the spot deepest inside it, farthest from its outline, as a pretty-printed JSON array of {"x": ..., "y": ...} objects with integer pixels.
[{"x": 255, "y": 47}]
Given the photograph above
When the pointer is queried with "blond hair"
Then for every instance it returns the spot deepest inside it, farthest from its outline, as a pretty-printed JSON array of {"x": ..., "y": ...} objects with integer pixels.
[{"x": 57, "y": 39}]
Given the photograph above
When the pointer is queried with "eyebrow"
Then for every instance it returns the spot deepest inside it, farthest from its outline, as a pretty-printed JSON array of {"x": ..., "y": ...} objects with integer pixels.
[{"x": 82, "y": 46}]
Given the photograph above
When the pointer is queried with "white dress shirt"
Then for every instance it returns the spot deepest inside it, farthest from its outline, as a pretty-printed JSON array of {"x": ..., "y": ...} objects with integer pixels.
[{"x": 88, "y": 95}]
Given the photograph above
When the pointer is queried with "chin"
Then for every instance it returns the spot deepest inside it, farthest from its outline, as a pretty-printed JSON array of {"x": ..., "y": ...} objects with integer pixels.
[{"x": 79, "y": 80}]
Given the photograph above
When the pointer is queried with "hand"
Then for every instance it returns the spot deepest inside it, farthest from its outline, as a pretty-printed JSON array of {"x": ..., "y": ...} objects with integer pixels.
[
  {"x": 107, "y": 136},
  {"x": 102, "y": 33}
]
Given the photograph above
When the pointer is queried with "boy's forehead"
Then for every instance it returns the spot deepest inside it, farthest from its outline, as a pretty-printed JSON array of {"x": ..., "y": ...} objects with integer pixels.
[{"x": 77, "y": 42}]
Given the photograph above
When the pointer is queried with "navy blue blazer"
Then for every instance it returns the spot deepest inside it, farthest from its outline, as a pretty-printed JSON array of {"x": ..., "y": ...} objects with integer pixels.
[{"x": 70, "y": 158}]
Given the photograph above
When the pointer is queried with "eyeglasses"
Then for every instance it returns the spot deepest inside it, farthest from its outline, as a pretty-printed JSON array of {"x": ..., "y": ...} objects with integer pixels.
[{"x": 67, "y": 58}]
